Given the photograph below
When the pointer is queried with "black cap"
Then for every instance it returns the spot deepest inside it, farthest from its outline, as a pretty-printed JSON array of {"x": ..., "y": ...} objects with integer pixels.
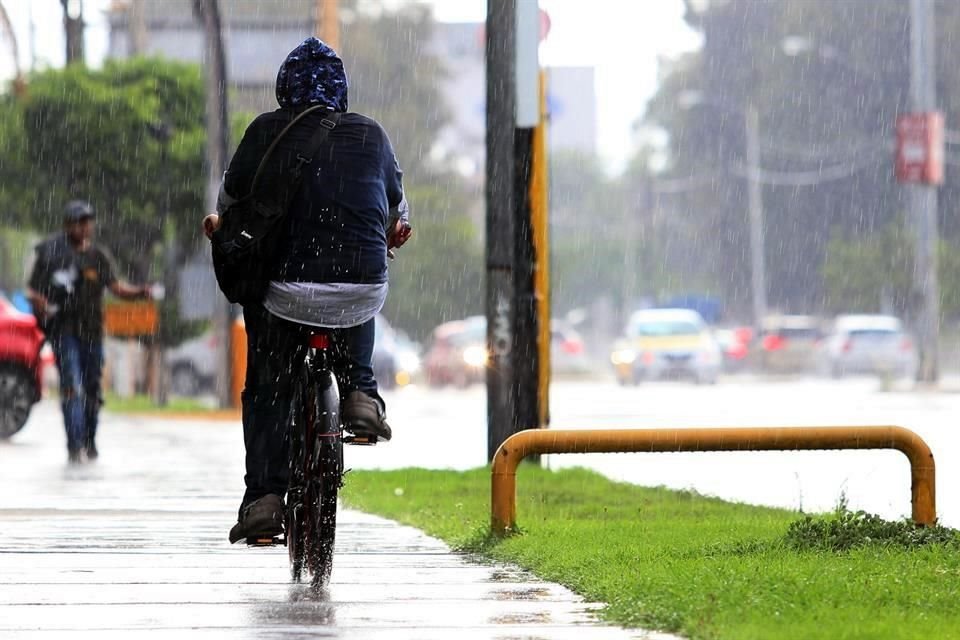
[{"x": 77, "y": 210}]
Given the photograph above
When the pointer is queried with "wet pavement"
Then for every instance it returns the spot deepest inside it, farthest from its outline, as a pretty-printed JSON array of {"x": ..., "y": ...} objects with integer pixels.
[{"x": 134, "y": 546}]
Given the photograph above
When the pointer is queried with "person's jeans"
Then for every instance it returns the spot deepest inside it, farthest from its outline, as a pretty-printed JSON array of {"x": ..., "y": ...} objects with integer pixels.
[
  {"x": 80, "y": 364},
  {"x": 275, "y": 350}
]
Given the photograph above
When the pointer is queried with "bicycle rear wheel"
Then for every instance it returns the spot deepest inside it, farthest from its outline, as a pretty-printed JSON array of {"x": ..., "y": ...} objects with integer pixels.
[{"x": 294, "y": 526}]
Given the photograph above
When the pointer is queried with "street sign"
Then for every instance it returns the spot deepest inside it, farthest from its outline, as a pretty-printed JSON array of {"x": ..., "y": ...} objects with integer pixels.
[{"x": 919, "y": 157}]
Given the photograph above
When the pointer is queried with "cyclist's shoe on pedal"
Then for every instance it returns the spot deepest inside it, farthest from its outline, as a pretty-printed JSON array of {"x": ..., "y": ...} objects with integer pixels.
[
  {"x": 262, "y": 519},
  {"x": 364, "y": 417}
]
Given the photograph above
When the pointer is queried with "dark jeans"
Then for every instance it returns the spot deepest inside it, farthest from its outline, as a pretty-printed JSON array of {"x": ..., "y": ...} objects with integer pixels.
[
  {"x": 80, "y": 364},
  {"x": 275, "y": 350}
]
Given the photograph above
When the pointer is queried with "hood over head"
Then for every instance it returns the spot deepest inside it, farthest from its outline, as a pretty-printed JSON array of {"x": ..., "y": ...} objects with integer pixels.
[{"x": 312, "y": 74}]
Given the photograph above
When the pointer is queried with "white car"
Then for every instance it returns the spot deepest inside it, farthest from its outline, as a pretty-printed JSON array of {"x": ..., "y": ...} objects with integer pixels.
[{"x": 874, "y": 344}]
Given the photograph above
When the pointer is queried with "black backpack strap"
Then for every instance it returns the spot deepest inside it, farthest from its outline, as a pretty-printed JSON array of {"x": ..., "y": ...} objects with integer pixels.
[
  {"x": 328, "y": 122},
  {"x": 305, "y": 156}
]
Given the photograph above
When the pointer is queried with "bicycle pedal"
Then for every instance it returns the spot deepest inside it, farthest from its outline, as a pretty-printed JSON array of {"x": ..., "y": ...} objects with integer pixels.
[
  {"x": 266, "y": 541},
  {"x": 366, "y": 440}
]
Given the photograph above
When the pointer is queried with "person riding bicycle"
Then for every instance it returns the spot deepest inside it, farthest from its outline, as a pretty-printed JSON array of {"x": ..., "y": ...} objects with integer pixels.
[{"x": 331, "y": 271}]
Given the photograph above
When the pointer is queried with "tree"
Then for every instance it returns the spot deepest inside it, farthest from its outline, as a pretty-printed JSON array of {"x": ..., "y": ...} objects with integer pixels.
[
  {"x": 91, "y": 134},
  {"x": 831, "y": 106}
]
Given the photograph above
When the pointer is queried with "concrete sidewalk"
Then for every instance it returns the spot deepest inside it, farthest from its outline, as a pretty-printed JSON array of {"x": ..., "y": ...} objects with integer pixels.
[{"x": 135, "y": 545}]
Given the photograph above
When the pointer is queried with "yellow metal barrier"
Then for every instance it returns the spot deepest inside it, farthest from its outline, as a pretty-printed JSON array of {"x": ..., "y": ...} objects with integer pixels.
[{"x": 503, "y": 503}]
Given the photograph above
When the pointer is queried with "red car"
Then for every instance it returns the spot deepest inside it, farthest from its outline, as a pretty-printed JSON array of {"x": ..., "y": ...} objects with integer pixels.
[{"x": 21, "y": 369}]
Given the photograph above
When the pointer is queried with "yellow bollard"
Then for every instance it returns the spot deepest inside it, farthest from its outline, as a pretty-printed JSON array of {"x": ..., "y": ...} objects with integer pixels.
[{"x": 503, "y": 499}]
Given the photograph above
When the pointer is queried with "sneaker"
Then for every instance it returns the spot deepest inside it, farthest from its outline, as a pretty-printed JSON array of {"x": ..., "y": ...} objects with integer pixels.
[
  {"x": 364, "y": 416},
  {"x": 261, "y": 518}
]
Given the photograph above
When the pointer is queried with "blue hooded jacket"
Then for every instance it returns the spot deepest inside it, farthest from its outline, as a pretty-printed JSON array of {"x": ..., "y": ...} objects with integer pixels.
[
  {"x": 337, "y": 221},
  {"x": 312, "y": 74}
]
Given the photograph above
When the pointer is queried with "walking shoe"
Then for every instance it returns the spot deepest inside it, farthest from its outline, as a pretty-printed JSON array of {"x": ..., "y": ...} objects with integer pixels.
[
  {"x": 262, "y": 518},
  {"x": 365, "y": 416}
]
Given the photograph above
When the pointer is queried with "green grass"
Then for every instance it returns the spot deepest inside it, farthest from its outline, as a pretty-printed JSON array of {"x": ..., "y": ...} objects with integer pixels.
[
  {"x": 144, "y": 404},
  {"x": 681, "y": 562}
]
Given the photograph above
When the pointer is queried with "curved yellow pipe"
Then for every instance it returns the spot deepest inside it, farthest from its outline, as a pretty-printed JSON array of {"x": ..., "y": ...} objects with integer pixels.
[{"x": 503, "y": 502}]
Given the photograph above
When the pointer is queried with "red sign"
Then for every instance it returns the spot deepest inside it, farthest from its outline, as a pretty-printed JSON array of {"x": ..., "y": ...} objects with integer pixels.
[{"x": 920, "y": 148}]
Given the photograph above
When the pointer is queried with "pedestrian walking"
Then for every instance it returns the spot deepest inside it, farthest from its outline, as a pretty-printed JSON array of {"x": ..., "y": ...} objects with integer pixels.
[{"x": 66, "y": 291}]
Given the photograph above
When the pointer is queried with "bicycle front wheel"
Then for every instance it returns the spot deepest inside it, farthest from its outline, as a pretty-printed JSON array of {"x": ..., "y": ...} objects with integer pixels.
[{"x": 321, "y": 497}]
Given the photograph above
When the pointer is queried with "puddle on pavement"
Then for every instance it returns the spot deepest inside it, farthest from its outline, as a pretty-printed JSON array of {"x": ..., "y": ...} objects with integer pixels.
[
  {"x": 536, "y": 617},
  {"x": 504, "y": 574},
  {"x": 528, "y": 595}
]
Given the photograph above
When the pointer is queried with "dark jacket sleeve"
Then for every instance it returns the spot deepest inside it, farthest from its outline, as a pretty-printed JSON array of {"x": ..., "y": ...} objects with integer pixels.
[{"x": 393, "y": 178}]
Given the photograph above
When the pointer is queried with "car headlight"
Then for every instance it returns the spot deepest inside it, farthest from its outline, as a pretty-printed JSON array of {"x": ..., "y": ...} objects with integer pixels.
[
  {"x": 475, "y": 356},
  {"x": 623, "y": 356},
  {"x": 409, "y": 361}
]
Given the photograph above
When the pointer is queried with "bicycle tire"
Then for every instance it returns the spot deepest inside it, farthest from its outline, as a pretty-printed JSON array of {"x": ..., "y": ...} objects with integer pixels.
[
  {"x": 325, "y": 476},
  {"x": 294, "y": 525}
]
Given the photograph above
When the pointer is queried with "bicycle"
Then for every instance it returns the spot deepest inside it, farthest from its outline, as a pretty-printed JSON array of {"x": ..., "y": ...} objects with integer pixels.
[{"x": 316, "y": 466}]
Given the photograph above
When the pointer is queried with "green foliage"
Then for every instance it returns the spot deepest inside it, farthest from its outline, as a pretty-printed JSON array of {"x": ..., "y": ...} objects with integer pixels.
[
  {"x": 679, "y": 561},
  {"x": 438, "y": 274},
  {"x": 89, "y": 134},
  {"x": 847, "y": 530},
  {"x": 832, "y": 105}
]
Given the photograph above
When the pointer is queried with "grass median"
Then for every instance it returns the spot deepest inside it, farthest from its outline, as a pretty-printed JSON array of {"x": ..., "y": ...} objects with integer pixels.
[{"x": 682, "y": 562}]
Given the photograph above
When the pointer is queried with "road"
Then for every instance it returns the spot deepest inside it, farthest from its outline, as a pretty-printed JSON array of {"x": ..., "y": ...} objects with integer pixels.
[{"x": 447, "y": 429}]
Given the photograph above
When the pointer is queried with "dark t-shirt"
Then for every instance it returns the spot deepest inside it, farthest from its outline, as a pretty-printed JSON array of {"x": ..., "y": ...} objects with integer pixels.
[{"x": 73, "y": 282}]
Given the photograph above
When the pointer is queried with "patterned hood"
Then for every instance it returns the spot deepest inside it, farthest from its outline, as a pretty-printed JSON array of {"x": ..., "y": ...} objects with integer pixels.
[{"x": 312, "y": 74}]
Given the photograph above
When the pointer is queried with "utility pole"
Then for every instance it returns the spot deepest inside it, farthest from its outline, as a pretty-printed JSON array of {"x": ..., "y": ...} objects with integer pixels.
[
  {"x": 326, "y": 22},
  {"x": 73, "y": 29},
  {"x": 208, "y": 12},
  {"x": 923, "y": 197},
  {"x": 516, "y": 290},
  {"x": 758, "y": 277},
  {"x": 500, "y": 195}
]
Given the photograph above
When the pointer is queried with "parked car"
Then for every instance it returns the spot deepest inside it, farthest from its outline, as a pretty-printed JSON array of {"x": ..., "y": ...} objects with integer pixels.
[
  {"x": 193, "y": 365},
  {"x": 21, "y": 367},
  {"x": 874, "y": 344},
  {"x": 666, "y": 343},
  {"x": 789, "y": 343},
  {"x": 457, "y": 353}
]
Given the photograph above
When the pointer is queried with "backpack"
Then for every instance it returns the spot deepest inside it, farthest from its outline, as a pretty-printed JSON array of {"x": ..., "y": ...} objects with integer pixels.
[{"x": 246, "y": 242}]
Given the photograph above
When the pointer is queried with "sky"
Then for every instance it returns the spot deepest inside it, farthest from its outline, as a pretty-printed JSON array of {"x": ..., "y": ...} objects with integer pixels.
[{"x": 622, "y": 39}]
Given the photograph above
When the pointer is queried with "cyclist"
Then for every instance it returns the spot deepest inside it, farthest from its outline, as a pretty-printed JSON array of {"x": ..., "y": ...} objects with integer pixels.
[{"x": 349, "y": 212}]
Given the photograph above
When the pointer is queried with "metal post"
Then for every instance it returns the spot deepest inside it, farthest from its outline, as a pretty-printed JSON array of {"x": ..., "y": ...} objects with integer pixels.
[
  {"x": 327, "y": 22},
  {"x": 923, "y": 197},
  {"x": 208, "y": 11},
  {"x": 501, "y": 106},
  {"x": 757, "y": 260}
]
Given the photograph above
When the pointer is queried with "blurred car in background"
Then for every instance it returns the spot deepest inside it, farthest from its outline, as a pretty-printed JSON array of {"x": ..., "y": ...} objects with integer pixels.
[
  {"x": 396, "y": 358},
  {"x": 193, "y": 365},
  {"x": 457, "y": 353},
  {"x": 21, "y": 367},
  {"x": 789, "y": 343},
  {"x": 874, "y": 344},
  {"x": 735, "y": 346},
  {"x": 567, "y": 351},
  {"x": 666, "y": 343}
]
